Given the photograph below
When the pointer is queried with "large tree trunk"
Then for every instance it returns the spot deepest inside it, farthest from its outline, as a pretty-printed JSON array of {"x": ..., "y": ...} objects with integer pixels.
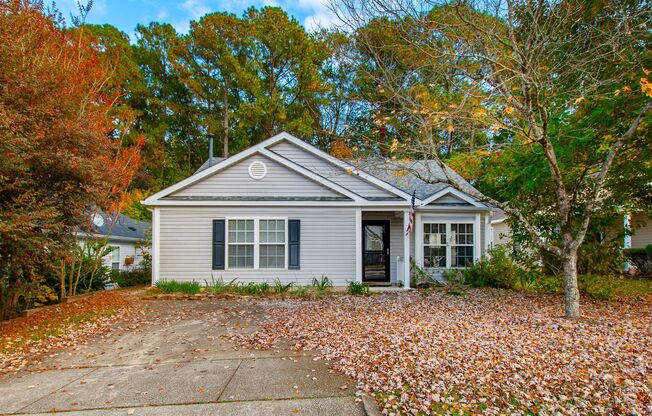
[{"x": 571, "y": 290}]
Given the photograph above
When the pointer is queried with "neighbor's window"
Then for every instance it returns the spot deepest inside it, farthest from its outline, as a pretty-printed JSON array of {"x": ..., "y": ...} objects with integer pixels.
[
  {"x": 271, "y": 244},
  {"x": 241, "y": 244},
  {"x": 115, "y": 257},
  {"x": 434, "y": 245},
  {"x": 461, "y": 245}
]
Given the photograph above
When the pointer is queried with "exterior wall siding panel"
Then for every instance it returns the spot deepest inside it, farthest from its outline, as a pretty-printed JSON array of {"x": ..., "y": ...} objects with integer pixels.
[
  {"x": 643, "y": 234},
  {"x": 327, "y": 244}
]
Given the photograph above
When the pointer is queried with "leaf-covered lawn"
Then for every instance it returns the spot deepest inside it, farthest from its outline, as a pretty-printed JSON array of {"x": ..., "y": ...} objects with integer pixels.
[
  {"x": 25, "y": 340},
  {"x": 488, "y": 351}
]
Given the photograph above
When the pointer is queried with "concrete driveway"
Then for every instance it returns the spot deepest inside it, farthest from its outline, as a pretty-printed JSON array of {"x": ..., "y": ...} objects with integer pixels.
[{"x": 170, "y": 360}]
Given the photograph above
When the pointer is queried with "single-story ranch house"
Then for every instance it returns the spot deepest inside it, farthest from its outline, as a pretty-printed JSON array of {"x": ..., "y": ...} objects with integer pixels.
[{"x": 285, "y": 209}]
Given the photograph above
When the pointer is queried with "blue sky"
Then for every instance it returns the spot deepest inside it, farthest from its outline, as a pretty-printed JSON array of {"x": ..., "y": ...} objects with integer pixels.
[{"x": 126, "y": 14}]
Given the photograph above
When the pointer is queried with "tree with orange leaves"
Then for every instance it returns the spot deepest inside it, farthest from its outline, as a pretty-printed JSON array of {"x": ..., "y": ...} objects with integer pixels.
[{"x": 61, "y": 149}]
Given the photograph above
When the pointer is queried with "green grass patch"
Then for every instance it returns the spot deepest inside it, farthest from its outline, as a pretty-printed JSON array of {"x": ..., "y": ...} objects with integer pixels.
[{"x": 172, "y": 286}]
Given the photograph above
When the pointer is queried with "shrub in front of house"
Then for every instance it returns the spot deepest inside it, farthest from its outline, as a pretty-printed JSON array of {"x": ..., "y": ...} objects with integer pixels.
[
  {"x": 322, "y": 285},
  {"x": 357, "y": 288},
  {"x": 124, "y": 278},
  {"x": 498, "y": 270},
  {"x": 641, "y": 258},
  {"x": 600, "y": 258}
]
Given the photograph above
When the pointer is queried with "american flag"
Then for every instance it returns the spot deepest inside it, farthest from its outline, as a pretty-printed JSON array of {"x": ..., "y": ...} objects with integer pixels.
[{"x": 410, "y": 225}]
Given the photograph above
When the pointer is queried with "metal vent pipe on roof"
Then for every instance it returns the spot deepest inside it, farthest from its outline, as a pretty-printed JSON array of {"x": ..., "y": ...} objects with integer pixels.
[{"x": 210, "y": 150}]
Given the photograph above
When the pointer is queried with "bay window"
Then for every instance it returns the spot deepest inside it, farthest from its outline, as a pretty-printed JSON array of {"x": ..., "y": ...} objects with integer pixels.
[
  {"x": 461, "y": 245},
  {"x": 434, "y": 245},
  {"x": 448, "y": 244}
]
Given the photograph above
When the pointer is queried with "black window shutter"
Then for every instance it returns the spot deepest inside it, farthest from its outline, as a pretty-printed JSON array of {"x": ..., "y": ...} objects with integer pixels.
[
  {"x": 218, "y": 244},
  {"x": 294, "y": 240}
]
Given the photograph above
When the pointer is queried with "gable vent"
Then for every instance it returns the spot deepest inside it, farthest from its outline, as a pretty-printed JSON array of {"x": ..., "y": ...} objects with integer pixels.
[{"x": 257, "y": 170}]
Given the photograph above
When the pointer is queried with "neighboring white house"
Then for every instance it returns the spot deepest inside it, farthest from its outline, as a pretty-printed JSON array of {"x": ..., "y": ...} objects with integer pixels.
[
  {"x": 640, "y": 223},
  {"x": 285, "y": 209},
  {"x": 124, "y": 236}
]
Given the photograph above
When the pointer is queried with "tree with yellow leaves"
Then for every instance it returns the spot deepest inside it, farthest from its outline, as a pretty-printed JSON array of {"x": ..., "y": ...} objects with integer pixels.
[{"x": 563, "y": 83}]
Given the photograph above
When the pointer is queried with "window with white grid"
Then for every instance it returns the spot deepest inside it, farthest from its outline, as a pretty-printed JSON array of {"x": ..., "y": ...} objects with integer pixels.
[
  {"x": 241, "y": 244},
  {"x": 434, "y": 245},
  {"x": 271, "y": 243},
  {"x": 462, "y": 245}
]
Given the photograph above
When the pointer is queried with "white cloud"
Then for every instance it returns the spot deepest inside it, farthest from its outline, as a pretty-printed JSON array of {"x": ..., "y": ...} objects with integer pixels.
[
  {"x": 320, "y": 20},
  {"x": 195, "y": 8}
]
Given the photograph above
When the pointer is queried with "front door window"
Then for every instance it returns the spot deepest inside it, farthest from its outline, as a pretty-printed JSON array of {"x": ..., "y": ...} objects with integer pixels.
[{"x": 375, "y": 246}]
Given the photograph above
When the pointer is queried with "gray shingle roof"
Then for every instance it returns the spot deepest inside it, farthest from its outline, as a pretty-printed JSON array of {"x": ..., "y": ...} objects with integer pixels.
[
  {"x": 204, "y": 165},
  {"x": 119, "y": 226},
  {"x": 423, "y": 177}
]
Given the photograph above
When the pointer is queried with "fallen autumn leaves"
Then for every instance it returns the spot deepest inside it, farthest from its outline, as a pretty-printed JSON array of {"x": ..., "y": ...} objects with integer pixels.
[
  {"x": 25, "y": 340},
  {"x": 489, "y": 351}
]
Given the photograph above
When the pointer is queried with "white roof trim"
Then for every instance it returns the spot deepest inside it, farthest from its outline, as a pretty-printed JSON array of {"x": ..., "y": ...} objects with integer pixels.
[
  {"x": 109, "y": 237},
  {"x": 498, "y": 221},
  {"x": 352, "y": 204},
  {"x": 342, "y": 164},
  {"x": 455, "y": 192}
]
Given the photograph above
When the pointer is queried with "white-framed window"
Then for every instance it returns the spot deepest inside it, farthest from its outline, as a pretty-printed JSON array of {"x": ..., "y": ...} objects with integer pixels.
[
  {"x": 241, "y": 244},
  {"x": 434, "y": 245},
  {"x": 115, "y": 257},
  {"x": 448, "y": 244},
  {"x": 271, "y": 244},
  {"x": 256, "y": 243},
  {"x": 462, "y": 242}
]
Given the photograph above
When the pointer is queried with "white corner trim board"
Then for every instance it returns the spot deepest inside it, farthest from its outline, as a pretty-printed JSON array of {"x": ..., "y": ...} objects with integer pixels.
[{"x": 156, "y": 245}]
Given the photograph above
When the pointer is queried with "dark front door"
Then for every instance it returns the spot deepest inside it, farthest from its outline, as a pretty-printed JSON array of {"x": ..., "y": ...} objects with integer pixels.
[{"x": 375, "y": 251}]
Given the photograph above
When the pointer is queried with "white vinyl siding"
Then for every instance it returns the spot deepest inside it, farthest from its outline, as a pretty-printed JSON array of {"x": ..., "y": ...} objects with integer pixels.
[
  {"x": 449, "y": 199},
  {"x": 235, "y": 181},
  {"x": 327, "y": 243},
  {"x": 330, "y": 171},
  {"x": 643, "y": 230},
  {"x": 502, "y": 234}
]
